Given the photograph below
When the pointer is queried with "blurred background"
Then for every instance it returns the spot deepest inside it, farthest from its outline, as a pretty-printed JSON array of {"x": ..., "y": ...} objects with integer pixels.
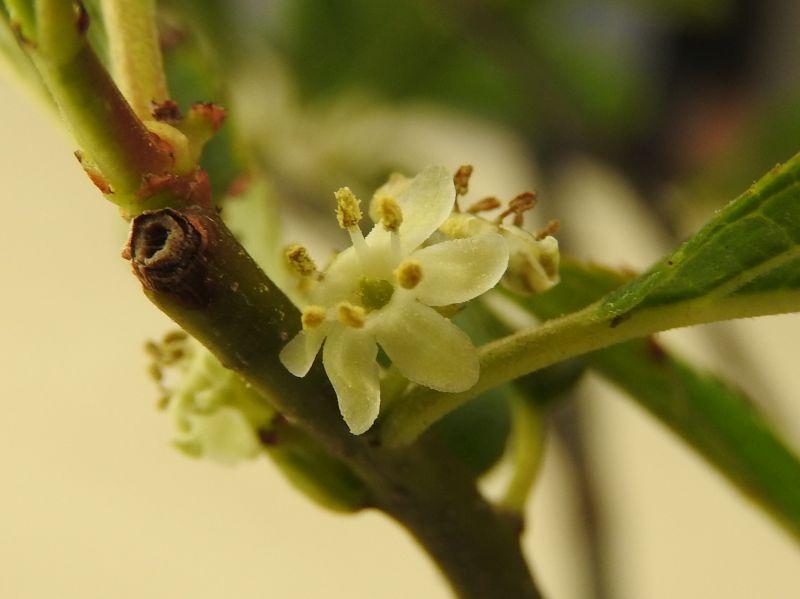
[{"x": 633, "y": 119}]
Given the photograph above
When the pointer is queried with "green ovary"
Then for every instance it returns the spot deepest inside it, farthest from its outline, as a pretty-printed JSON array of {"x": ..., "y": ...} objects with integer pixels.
[{"x": 374, "y": 293}]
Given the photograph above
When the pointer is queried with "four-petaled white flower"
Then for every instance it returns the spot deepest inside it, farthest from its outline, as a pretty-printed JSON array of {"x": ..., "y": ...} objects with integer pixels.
[{"x": 380, "y": 292}]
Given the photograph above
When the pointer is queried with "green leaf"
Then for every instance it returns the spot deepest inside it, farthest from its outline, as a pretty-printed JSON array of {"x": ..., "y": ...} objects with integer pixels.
[
  {"x": 716, "y": 419},
  {"x": 744, "y": 262}
]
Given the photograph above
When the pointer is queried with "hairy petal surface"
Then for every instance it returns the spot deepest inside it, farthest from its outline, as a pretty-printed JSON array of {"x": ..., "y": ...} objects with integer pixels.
[
  {"x": 457, "y": 271},
  {"x": 427, "y": 348}
]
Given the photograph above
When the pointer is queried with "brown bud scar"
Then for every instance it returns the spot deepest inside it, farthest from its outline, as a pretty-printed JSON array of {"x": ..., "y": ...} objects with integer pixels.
[
  {"x": 461, "y": 179},
  {"x": 484, "y": 205},
  {"x": 194, "y": 188},
  {"x": 551, "y": 228},
  {"x": 167, "y": 111},
  {"x": 212, "y": 113},
  {"x": 166, "y": 250}
]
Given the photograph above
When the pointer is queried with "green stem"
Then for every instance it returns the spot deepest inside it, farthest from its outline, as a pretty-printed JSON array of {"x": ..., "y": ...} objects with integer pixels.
[
  {"x": 97, "y": 114},
  {"x": 103, "y": 124},
  {"x": 135, "y": 52},
  {"x": 560, "y": 339},
  {"x": 525, "y": 452},
  {"x": 196, "y": 272}
]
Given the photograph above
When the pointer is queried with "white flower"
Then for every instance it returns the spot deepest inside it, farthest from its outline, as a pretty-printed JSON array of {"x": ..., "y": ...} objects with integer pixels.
[
  {"x": 380, "y": 292},
  {"x": 533, "y": 260},
  {"x": 215, "y": 416}
]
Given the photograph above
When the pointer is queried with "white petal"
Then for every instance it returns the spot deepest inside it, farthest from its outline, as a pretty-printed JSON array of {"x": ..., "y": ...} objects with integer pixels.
[
  {"x": 226, "y": 436},
  {"x": 459, "y": 270},
  {"x": 426, "y": 203},
  {"x": 427, "y": 348},
  {"x": 350, "y": 361},
  {"x": 298, "y": 355}
]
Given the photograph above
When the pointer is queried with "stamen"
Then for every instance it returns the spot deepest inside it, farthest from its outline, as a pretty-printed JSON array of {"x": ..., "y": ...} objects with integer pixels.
[
  {"x": 550, "y": 228},
  {"x": 299, "y": 259},
  {"x": 461, "y": 179},
  {"x": 408, "y": 274},
  {"x": 351, "y": 316},
  {"x": 518, "y": 206},
  {"x": 348, "y": 210},
  {"x": 312, "y": 317},
  {"x": 390, "y": 214},
  {"x": 359, "y": 245},
  {"x": 484, "y": 205}
]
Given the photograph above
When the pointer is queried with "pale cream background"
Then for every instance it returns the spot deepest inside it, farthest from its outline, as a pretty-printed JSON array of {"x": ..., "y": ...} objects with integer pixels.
[{"x": 93, "y": 503}]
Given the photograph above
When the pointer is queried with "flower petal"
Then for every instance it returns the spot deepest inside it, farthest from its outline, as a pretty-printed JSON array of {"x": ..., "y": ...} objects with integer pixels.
[
  {"x": 426, "y": 347},
  {"x": 225, "y": 436},
  {"x": 350, "y": 361},
  {"x": 426, "y": 203},
  {"x": 298, "y": 355},
  {"x": 457, "y": 271}
]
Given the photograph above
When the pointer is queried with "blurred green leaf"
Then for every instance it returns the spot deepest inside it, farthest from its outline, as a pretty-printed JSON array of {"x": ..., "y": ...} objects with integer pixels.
[
  {"x": 401, "y": 50},
  {"x": 716, "y": 419}
]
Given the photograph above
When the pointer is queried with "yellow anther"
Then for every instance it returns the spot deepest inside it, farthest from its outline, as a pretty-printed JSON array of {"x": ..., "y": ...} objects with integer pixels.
[
  {"x": 348, "y": 211},
  {"x": 299, "y": 259},
  {"x": 352, "y": 316},
  {"x": 390, "y": 214},
  {"x": 408, "y": 274},
  {"x": 312, "y": 317}
]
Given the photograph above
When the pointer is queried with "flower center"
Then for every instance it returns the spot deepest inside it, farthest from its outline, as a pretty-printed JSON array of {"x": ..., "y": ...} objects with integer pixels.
[{"x": 374, "y": 293}]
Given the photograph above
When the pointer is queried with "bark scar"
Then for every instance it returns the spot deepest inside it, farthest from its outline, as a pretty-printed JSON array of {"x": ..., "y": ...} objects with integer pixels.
[{"x": 167, "y": 252}]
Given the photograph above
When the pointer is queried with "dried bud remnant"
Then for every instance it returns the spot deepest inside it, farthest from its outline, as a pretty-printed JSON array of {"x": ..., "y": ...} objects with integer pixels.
[
  {"x": 166, "y": 111},
  {"x": 166, "y": 251},
  {"x": 213, "y": 114}
]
